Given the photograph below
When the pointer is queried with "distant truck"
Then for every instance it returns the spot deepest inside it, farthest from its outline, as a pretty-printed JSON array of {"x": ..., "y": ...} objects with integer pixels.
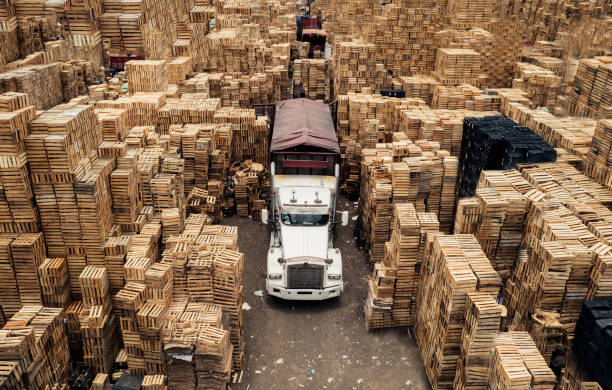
[{"x": 302, "y": 262}]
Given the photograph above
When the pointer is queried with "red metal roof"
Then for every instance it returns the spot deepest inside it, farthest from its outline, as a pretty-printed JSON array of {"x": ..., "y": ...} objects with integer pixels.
[{"x": 303, "y": 122}]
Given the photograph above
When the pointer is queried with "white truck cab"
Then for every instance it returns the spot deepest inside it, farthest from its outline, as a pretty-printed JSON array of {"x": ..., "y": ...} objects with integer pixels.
[{"x": 302, "y": 262}]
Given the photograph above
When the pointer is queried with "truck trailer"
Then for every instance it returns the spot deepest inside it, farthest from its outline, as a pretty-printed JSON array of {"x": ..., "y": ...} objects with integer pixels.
[{"x": 302, "y": 262}]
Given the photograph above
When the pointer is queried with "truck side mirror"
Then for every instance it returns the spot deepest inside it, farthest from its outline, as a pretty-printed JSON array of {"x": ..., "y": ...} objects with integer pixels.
[
  {"x": 264, "y": 216},
  {"x": 345, "y": 218}
]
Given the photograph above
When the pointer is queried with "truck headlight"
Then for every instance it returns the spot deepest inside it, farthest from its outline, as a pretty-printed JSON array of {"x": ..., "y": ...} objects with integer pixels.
[
  {"x": 334, "y": 277},
  {"x": 275, "y": 276}
]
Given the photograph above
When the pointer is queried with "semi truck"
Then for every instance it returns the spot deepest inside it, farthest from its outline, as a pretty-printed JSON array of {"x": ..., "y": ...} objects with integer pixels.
[{"x": 302, "y": 262}]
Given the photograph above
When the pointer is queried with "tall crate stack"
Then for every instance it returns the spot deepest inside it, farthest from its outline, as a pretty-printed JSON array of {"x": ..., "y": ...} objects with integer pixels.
[
  {"x": 598, "y": 160},
  {"x": 28, "y": 253},
  {"x": 159, "y": 291},
  {"x": 197, "y": 333},
  {"x": 9, "y": 292},
  {"x": 71, "y": 185},
  {"x": 115, "y": 252},
  {"x": 482, "y": 322},
  {"x": 9, "y": 41},
  {"x": 20, "y": 213},
  {"x": 588, "y": 95},
  {"x": 517, "y": 364},
  {"x": 354, "y": 67},
  {"x": 146, "y": 75},
  {"x": 420, "y": 19},
  {"x": 128, "y": 302},
  {"x": 97, "y": 320},
  {"x": 227, "y": 293},
  {"x": 458, "y": 263},
  {"x": 392, "y": 289},
  {"x": 35, "y": 339},
  {"x": 41, "y": 82},
  {"x": 53, "y": 277}
]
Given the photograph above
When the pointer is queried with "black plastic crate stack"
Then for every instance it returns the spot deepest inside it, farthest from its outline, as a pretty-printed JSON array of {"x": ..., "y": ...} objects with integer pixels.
[
  {"x": 497, "y": 142},
  {"x": 593, "y": 341}
]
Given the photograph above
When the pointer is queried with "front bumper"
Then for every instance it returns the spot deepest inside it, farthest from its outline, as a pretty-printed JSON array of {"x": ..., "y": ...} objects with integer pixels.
[{"x": 303, "y": 294}]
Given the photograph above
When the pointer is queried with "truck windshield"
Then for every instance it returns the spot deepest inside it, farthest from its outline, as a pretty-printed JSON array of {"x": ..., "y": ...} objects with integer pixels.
[{"x": 305, "y": 219}]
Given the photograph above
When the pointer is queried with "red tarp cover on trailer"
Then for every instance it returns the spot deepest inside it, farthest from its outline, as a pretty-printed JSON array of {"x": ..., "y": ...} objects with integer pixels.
[
  {"x": 314, "y": 31},
  {"x": 303, "y": 122}
]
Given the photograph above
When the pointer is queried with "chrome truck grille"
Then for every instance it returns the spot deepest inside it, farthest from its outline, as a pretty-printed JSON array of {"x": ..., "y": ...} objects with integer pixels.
[{"x": 305, "y": 275}]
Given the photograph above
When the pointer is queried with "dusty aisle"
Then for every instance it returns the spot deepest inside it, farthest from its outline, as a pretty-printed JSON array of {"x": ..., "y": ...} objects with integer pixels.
[{"x": 319, "y": 345}]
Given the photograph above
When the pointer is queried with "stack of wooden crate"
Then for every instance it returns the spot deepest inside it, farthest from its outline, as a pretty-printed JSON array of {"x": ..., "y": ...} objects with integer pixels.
[
  {"x": 17, "y": 200},
  {"x": 354, "y": 109},
  {"x": 539, "y": 208},
  {"x": 147, "y": 75},
  {"x": 251, "y": 188},
  {"x": 392, "y": 289},
  {"x": 464, "y": 96},
  {"x": 27, "y": 253},
  {"x": 598, "y": 161},
  {"x": 197, "y": 333},
  {"x": 541, "y": 85},
  {"x": 115, "y": 251},
  {"x": 452, "y": 267},
  {"x": 496, "y": 216},
  {"x": 249, "y": 135},
  {"x": 310, "y": 75},
  {"x": 600, "y": 279},
  {"x": 483, "y": 319},
  {"x": 97, "y": 320},
  {"x": 158, "y": 295},
  {"x": 53, "y": 277},
  {"x": 35, "y": 340},
  {"x": 588, "y": 95},
  {"x": 71, "y": 185},
  {"x": 517, "y": 364},
  {"x": 42, "y": 83},
  {"x": 191, "y": 108},
  {"x": 462, "y": 14},
  {"x": 397, "y": 173},
  {"x": 129, "y": 301},
  {"x": 458, "y": 66},
  {"x": 420, "y": 19},
  {"x": 178, "y": 69},
  {"x": 9, "y": 41},
  {"x": 114, "y": 123},
  {"x": 418, "y": 86},
  {"x": 354, "y": 67},
  {"x": 570, "y": 133}
]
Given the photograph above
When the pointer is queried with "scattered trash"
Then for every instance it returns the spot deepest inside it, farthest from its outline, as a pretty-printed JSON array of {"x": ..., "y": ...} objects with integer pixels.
[
  {"x": 280, "y": 361},
  {"x": 312, "y": 371},
  {"x": 292, "y": 378},
  {"x": 330, "y": 380},
  {"x": 354, "y": 218},
  {"x": 258, "y": 293},
  {"x": 246, "y": 306},
  {"x": 263, "y": 368},
  {"x": 359, "y": 381},
  {"x": 257, "y": 372},
  {"x": 374, "y": 357},
  {"x": 344, "y": 356}
]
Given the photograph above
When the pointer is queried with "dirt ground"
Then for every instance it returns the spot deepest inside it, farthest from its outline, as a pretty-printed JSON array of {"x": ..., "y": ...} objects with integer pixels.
[{"x": 319, "y": 345}]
